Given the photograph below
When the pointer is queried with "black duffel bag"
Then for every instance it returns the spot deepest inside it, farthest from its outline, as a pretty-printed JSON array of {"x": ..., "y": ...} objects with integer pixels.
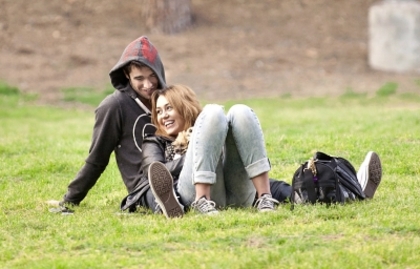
[{"x": 325, "y": 179}]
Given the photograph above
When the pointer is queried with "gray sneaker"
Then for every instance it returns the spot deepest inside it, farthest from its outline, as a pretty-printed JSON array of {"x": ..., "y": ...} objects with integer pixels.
[
  {"x": 266, "y": 203},
  {"x": 161, "y": 183},
  {"x": 205, "y": 206},
  {"x": 370, "y": 174}
]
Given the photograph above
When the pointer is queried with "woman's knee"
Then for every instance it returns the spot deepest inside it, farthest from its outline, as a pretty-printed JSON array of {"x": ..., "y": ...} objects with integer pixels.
[
  {"x": 213, "y": 109},
  {"x": 213, "y": 115},
  {"x": 240, "y": 113},
  {"x": 237, "y": 108}
]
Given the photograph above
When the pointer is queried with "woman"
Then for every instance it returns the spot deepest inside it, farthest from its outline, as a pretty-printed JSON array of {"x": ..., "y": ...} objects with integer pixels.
[{"x": 225, "y": 164}]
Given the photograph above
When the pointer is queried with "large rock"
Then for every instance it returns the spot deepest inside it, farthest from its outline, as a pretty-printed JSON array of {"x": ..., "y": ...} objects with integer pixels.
[{"x": 394, "y": 36}]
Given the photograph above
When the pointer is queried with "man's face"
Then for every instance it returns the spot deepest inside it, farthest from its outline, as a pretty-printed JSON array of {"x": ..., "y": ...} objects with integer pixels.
[{"x": 143, "y": 80}]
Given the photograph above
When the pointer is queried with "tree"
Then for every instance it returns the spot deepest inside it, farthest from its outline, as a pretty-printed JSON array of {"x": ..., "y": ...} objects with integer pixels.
[{"x": 167, "y": 16}]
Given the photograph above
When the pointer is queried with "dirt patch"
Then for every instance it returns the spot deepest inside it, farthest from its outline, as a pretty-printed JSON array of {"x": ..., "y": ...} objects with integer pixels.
[{"x": 236, "y": 49}]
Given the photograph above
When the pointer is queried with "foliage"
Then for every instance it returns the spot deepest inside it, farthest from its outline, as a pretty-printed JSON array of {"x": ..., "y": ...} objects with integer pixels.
[
  {"x": 42, "y": 148},
  {"x": 6, "y": 89},
  {"x": 387, "y": 89}
]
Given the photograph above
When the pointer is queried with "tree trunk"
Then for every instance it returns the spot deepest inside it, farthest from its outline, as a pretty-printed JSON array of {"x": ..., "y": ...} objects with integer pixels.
[{"x": 167, "y": 16}]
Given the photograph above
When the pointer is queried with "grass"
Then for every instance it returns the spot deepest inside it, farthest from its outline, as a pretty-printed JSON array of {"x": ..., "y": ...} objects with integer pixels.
[
  {"x": 42, "y": 148},
  {"x": 85, "y": 95}
]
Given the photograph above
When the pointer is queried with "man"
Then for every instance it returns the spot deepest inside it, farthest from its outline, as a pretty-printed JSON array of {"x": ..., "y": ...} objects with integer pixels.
[{"x": 121, "y": 120}]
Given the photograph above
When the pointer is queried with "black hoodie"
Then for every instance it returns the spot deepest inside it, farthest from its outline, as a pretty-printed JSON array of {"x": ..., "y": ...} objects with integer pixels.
[{"x": 120, "y": 125}]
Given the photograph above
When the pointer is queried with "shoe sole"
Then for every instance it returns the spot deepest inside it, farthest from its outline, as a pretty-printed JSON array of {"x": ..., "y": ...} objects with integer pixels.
[
  {"x": 375, "y": 175},
  {"x": 266, "y": 210},
  {"x": 161, "y": 183}
]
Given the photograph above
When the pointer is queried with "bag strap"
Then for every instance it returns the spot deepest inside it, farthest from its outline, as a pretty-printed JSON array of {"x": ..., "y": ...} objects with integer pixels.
[
  {"x": 338, "y": 192},
  {"x": 322, "y": 156},
  {"x": 308, "y": 172},
  {"x": 349, "y": 177},
  {"x": 309, "y": 180},
  {"x": 292, "y": 195}
]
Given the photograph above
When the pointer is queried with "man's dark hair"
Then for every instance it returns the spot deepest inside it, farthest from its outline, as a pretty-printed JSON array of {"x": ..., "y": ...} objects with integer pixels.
[{"x": 127, "y": 69}]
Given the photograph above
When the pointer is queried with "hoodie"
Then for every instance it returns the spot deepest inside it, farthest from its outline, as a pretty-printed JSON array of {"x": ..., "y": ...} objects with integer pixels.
[
  {"x": 121, "y": 123},
  {"x": 140, "y": 50}
]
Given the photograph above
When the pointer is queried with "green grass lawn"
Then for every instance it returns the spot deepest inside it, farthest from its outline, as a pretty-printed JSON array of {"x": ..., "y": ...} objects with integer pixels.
[{"x": 42, "y": 148}]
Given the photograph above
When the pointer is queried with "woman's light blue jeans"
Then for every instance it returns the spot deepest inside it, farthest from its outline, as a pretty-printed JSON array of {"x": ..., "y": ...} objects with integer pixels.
[{"x": 225, "y": 151}]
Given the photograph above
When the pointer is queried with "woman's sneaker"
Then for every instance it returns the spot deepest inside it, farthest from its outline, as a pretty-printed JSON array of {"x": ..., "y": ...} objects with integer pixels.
[
  {"x": 204, "y": 206},
  {"x": 370, "y": 174},
  {"x": 161, "y": 183},
  {"x": 266, "y": 203}
]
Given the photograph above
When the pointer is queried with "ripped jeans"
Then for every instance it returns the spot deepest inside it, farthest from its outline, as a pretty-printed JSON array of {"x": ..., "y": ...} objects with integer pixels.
[{"x": 226, "y": 151}]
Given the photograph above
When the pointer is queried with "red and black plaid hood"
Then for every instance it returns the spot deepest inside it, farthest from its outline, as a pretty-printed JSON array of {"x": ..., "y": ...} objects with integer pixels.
[{"x": 143, "y": 51}]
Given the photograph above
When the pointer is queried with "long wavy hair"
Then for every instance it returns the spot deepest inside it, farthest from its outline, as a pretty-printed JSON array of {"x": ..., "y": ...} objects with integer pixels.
[{"x": 183, "y": 99}]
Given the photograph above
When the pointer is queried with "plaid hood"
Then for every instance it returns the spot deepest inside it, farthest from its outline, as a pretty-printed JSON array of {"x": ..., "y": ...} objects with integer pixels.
[{"x": 143, "y": 51}]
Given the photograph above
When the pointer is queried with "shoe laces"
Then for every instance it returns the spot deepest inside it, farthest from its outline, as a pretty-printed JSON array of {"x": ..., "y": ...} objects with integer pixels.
[
  {"x": 266, "y": 203},
  {"x": 205, "y": 206}
]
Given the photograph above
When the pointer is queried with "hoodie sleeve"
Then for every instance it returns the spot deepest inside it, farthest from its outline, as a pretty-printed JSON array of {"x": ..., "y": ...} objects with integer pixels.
[
  {"x": 153, "y": 151},
  {"x": 106, "y": 135}
]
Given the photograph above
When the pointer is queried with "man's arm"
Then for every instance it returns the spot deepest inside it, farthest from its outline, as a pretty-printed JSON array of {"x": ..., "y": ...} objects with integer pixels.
[
  {"x": 105, "y": 137},
  {"x": 153, "y": 151}
]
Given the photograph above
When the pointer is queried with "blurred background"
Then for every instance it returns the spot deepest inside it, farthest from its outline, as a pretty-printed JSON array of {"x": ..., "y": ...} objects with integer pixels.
[{"x": 228, "y": 50}]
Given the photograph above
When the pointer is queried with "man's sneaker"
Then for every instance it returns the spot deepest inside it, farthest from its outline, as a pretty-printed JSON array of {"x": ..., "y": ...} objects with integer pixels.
[
  {"x": 370, "y": 174},
  {"x": 205, "y": 206},
  {"x": 266, "y": 203},
  {"x": 161, "y": 183}
]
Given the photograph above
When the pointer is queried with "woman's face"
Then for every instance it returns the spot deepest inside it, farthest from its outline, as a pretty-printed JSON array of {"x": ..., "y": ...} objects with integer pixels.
[{"x": 168, "y": 117}]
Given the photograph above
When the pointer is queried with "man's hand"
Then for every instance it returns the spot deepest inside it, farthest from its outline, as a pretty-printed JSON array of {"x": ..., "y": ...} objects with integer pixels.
[{"x": 59, "y": 207}]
